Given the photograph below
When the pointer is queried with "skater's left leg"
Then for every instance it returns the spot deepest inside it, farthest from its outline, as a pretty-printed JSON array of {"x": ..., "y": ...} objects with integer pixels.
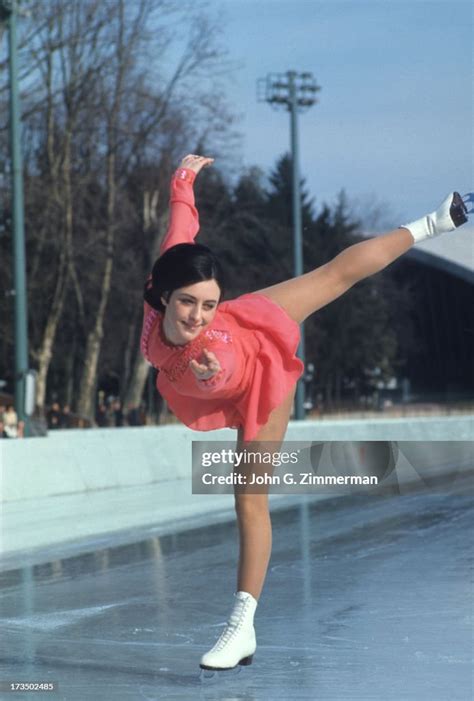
[
  {"x": 307, "y": 293},
  {"x": 303, "y": 295}
]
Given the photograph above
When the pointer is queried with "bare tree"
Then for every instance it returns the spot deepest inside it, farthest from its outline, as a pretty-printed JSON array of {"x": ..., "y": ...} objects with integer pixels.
[
  {"x": 66, "y": 57},
  {"x": 98, "y": 109},
  {"x": 112, "y": 92},
  {"x": 154, "y": 227}
]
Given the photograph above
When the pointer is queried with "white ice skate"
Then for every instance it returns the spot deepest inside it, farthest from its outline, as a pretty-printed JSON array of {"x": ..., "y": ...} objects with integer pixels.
[
  {"x": 237, "y": 644},
  {"x": 449, "y": 215}
]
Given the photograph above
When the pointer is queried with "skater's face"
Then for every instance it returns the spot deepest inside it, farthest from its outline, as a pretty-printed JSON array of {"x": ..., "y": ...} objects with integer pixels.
[{"x": 189, "y": 310}]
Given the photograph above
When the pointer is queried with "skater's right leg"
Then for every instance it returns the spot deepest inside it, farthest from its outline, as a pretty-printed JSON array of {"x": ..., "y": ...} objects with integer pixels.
[
  {"x": 253, "y": 517},
  {"x": 237, "y": 643}
]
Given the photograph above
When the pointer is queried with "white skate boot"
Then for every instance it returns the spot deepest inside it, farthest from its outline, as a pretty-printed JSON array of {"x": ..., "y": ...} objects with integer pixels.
[
  {"x": 451, "y": 214},
  {"x": 237, "y": 643}
]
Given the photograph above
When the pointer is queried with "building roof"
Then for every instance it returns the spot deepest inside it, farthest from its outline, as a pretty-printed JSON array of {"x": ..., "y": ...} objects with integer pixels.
[{"x": 453, "y": 252}]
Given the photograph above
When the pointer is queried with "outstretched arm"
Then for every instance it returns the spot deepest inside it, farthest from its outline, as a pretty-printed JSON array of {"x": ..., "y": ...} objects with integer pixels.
[
  {"x": 184, "y": 219},
  {"x": 211, "y": 374}
]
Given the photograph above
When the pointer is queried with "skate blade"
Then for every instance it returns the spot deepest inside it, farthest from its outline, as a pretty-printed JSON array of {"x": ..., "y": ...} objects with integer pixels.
[
  {"x": 468, "y": 200},
  {"x": 208, "y": 673},
  {"x": 458, "y": 210},
  {"x": 209, "y": 676}
]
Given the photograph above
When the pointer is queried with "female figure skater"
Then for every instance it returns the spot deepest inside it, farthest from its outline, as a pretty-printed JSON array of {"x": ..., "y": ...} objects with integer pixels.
[{"x": 233, "y": 364}]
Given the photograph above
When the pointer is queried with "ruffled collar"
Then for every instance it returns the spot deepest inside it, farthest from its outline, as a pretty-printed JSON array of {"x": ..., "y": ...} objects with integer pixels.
[{"x": 164, "y": 349}]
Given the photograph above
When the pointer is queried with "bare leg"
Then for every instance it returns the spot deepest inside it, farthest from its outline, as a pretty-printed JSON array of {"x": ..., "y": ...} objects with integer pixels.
[
  {"x": 299, "y": 297},
  {"x": 253, "y": 517},
  {"x": 304, "y": 295}
]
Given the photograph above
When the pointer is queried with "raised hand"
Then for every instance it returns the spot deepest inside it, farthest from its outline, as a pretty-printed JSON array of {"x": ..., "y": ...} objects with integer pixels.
[
  {"x": 195, "y": 163},
  {"x": 209, "y": 366}
]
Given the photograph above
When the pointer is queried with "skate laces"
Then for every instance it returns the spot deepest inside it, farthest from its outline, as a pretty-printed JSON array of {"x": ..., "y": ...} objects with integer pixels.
[{"x": 234, "y": 625}]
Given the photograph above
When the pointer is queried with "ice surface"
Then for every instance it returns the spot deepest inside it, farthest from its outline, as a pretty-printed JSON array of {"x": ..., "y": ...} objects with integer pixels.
[{"x": 367, "y": 597}]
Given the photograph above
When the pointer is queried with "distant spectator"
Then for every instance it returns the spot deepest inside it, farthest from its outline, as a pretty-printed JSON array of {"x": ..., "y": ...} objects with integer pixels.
[
  {"x": 133, "y": 415},
  {"x": 53, "y": 416},
  {"x": 142, "y": 417},
  {"x": 101, "y": 415},
  {"x": 2, "y": 412},
  {"x": 118, "y": 412},
  {"x": 110, "y": 412},
  {"x": 65, "y": 419},
  {"x": 10, "y": 420},
  {"x": 21, "y": 429},
  {"x": 3, "y": 433}
]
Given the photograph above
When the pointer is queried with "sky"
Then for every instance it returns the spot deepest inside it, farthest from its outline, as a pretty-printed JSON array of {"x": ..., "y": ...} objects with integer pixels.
[{"x": 394, "y": 119}]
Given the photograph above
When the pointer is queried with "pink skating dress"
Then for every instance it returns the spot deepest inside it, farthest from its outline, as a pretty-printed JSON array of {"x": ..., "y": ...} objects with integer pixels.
[{"x": 253, "y": 338}]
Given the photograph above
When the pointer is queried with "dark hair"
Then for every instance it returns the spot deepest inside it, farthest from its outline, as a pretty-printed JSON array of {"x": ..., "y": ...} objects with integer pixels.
[{"x": 181, "y": 265}]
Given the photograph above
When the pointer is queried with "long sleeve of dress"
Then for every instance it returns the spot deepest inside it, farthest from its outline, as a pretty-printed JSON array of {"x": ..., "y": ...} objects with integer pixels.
[
  {"x": 219, "y": 381},
  {"x": 184, "y": 219}
]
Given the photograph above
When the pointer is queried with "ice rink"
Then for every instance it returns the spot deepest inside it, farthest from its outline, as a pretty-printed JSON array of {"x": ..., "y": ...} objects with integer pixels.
[{"x": 367, "y": 597}]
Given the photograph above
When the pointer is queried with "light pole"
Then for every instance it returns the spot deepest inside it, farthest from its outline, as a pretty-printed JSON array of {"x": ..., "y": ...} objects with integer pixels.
[
  {"x": 294, "y": 92},
  {"x": 8, "y": 14}
]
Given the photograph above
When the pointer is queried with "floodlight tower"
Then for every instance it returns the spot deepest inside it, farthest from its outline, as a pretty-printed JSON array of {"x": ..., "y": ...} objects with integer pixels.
[
  {"x": 294, "y": 92},
  {"x": 9, "y": 9}
]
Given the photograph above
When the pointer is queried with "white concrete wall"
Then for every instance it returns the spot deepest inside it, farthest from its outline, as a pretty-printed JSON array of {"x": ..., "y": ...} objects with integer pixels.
[{"x": 84, "y": 461}]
